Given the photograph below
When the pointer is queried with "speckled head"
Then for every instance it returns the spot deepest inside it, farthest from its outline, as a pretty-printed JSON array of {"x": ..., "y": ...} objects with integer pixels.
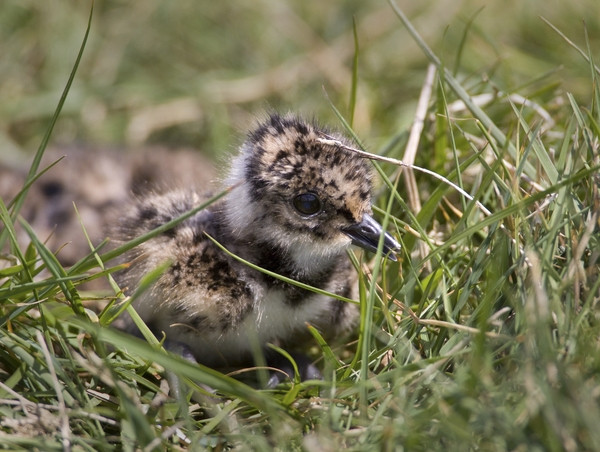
[{"x": 297, "y": 192}]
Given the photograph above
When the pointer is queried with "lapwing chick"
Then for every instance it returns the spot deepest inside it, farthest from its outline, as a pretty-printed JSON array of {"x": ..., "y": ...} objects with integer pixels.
[{"x": 295, "y": 207}]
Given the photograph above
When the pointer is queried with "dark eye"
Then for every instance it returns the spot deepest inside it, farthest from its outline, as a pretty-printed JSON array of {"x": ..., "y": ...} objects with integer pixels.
[{"x": 307, "y": 204}]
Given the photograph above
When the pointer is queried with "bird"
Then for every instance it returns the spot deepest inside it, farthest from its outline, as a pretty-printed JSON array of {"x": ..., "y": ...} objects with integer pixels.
[
  {"x": 98, "y": 180},
  {"x": 295, "y": 204}
]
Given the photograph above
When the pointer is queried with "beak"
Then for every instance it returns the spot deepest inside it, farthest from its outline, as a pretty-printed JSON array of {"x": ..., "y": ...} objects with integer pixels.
[{"x": 366, "y": 235}]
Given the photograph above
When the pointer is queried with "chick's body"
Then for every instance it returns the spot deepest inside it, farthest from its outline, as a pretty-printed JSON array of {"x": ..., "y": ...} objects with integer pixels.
[
  {"x": 220, "y": 308},
  {"x": 294, "y": 207}
]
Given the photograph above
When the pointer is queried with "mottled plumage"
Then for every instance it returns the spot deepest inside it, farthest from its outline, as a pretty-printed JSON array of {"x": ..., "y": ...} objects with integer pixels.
[
  {"x": 295, "y": 206},
  {"x": 99, "y": 181}
]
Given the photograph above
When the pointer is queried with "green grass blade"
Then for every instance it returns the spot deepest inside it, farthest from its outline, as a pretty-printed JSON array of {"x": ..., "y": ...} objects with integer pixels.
[
  {"x": 277, "y": 276},
  {"x": 42, "y": 147}
]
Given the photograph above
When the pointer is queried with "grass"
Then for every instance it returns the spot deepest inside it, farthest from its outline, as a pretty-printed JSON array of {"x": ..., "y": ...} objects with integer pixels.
[{"x": 484, "y": 336}]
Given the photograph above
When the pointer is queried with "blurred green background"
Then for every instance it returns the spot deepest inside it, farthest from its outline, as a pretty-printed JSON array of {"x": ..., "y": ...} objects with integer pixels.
[{"x": 193, "y": 73}]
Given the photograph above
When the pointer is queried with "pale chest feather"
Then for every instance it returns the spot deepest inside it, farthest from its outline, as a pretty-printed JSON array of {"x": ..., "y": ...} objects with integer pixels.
[{"x": 270, "y": 319}]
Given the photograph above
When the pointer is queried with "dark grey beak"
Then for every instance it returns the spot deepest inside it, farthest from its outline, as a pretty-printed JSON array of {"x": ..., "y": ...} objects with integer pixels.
[{"x": 366, "y": 235}]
